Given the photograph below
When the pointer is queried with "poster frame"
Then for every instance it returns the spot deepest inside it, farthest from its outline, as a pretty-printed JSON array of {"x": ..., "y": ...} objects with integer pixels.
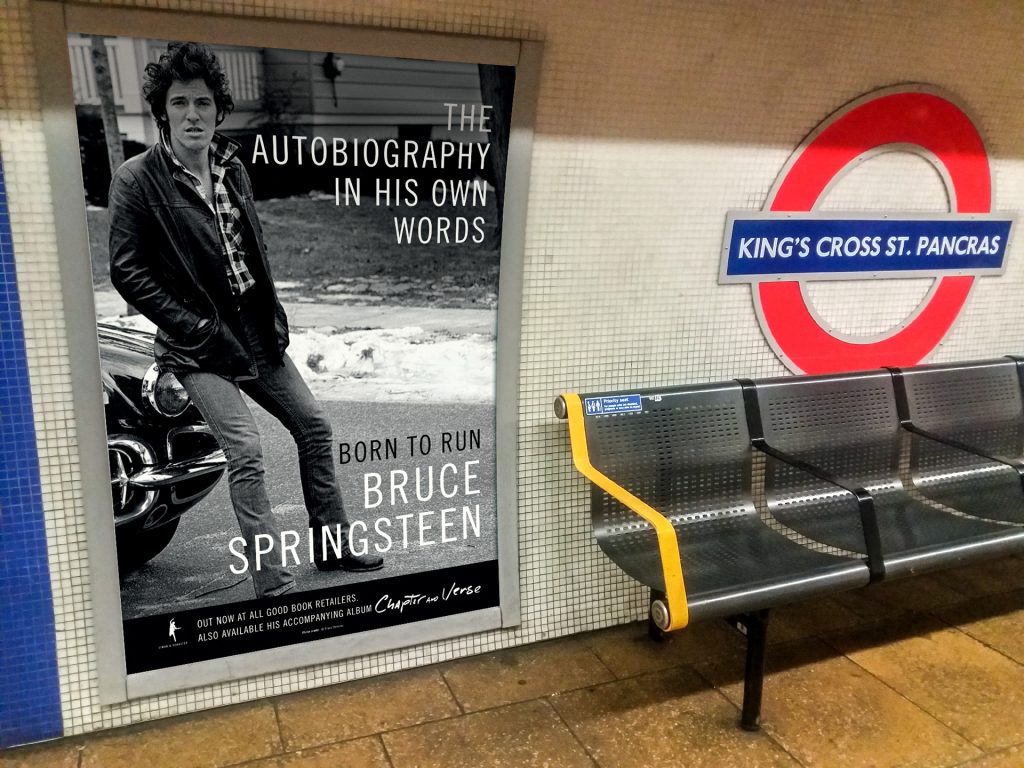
[{"x": 52, "y": 21}]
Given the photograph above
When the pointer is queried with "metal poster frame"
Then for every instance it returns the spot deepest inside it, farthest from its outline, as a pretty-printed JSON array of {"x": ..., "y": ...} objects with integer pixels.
[{"x": 52, "y": 21}]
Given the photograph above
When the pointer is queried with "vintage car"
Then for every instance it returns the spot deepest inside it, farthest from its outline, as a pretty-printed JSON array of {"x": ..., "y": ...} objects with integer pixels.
[{"x": 163, "y": 458}]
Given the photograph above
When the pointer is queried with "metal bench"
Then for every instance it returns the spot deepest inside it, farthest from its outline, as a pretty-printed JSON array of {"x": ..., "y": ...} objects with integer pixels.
[
  {"x": 974, "y": 415},
  {"x": 673, "y": 505},
  {"x": 729, "y": 499},
  {"x": 846, "y": 427}
]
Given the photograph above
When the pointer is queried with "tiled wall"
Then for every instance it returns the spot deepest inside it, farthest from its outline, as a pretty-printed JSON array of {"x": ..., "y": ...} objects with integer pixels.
[
  {"x": 29, "y": 685},
  {"x": 654, "y": 119}
]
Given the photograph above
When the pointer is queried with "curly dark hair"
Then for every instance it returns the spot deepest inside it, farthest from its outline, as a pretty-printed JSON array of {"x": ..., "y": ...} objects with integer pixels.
[{"x": 183, "y": 62}]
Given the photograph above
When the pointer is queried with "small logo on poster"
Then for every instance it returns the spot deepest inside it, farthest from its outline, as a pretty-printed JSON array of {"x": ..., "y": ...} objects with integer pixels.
[{"x": 172, "y": 631}]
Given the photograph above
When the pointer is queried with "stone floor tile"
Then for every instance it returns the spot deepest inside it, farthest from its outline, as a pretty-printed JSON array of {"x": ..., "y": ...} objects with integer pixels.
[
  {"x": 990, "y": 577},
  {"x": 361, "y": 753},
  {"x": 974, "y": 690},
  {"x": 205, "y": 740},
  {"x": 827, "y": 711},
  {"x": 628, "y": 650},
  {"x": 669, "y": 718},
  {"x": 922, "y": 593},
  {"x": 518, "y": 736},
  {"x": 997, "y": 621},
  {"x": 1008, "y": 758},
  {"x": 60, "y": 754},
  {"x": 518, "y": 674},
  {"x": 872, "y": 607},
  {"x": 364, "y": 707},
  {"x": 810, "y": 619}
]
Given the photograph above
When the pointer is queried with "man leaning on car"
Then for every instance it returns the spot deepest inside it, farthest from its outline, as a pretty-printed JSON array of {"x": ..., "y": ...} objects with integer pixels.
[{"x": 187, "y": 251}]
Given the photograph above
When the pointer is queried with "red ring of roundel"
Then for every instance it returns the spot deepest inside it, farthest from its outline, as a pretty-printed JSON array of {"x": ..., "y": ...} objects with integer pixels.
[{"x": 917, "y": 118}]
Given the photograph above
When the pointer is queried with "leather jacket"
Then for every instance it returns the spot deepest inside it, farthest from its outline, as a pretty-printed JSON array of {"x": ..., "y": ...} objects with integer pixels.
[{"x": 167, "y": 261}]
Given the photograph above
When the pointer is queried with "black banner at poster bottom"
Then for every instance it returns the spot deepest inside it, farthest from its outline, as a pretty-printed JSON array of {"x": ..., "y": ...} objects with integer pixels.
[{"x": 172, "y": 639}]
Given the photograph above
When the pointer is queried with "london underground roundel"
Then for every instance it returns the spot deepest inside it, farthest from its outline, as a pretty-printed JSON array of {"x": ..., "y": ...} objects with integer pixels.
[{"x": 788, "y": 242}]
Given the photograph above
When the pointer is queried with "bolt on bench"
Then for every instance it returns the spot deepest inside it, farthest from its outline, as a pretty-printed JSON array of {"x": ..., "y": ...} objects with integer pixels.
[{"x": 729, "y": 499}]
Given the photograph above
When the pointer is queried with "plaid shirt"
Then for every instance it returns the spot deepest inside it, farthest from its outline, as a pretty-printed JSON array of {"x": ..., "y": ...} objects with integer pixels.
[{"x": 229, "y": 217}]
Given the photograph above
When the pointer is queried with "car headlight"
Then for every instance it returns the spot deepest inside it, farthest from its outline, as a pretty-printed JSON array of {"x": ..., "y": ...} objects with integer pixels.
[{"x": 164, "y": 392}]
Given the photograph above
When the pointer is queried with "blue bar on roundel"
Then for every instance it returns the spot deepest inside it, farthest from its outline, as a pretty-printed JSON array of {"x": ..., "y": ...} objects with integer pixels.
[{"x": 794, "y": 245}]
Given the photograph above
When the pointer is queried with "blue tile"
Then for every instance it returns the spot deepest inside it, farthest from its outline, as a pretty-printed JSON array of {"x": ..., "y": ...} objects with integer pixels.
[{"x": 29, "y": 681}]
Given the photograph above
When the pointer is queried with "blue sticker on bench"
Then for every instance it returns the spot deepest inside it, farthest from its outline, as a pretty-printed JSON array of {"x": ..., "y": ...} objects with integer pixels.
[{"x": 594, "y": 406}]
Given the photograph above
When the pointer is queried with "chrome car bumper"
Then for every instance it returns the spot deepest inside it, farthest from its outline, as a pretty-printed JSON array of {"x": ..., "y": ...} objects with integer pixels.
[
  {"x": 176, "y": 471},
  {"x": 143, "y": 488}
]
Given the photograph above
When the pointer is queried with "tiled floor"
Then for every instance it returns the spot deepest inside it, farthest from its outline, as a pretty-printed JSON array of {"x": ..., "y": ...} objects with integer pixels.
[{"x": 925, "y": 672}]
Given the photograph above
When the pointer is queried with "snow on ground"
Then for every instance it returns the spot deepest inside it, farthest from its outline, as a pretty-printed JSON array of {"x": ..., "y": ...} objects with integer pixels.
[{"x": 407, "y": 364}]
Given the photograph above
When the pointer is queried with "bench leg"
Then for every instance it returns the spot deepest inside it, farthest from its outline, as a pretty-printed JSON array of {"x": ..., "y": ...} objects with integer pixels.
[
  {"x": 653, "y": 630},
  {"x": 755, "y": 627}
]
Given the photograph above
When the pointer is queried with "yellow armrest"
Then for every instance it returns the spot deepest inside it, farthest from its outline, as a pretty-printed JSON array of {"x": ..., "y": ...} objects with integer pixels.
[{"x": 668, "y": 546}]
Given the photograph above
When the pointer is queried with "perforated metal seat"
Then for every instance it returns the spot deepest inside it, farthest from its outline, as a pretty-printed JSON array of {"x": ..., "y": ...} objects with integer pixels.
[
  {"x": 977, "y": 404},
  {"x": 848, "y": 428},
  {"x": 977, "y": 411},
  {"x": 687, "y": 454}
]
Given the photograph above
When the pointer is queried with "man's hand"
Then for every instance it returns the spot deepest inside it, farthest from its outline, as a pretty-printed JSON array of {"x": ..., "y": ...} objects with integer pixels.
[{"x": 203, "y": 325}]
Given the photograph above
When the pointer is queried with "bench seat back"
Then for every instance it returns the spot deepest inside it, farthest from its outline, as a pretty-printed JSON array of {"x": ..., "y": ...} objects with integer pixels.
[
  {"x": 845, "y": 424},
  {"x": 977, "y": 404},
  {"x": 975, "y": 412},
  {"x": 687, "y": 454},
  {"x": 848, "y": 426}
]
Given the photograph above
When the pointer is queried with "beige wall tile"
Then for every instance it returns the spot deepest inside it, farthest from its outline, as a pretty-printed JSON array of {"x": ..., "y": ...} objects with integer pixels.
[
  {"x": 971, "y": 688},
  {"x": 517, "y": 675},
  {"x": 209, "y": 740},
  {"x": 359, "y": 709},
  {"x": 666, "y": 719},
  {"x": 826, "y": 711},
  {"x": 518, "y": 736}
]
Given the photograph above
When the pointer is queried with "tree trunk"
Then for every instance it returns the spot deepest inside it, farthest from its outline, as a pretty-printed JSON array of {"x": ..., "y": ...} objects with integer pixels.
[
  {"x": 496, "y": 86},
  {"x": 105, "y": 88},
  {"x": 108, "y": 111}
]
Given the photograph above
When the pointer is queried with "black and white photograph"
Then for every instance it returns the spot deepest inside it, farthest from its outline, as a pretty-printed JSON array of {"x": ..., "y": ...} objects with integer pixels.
[{"x": 295, "y": 261}]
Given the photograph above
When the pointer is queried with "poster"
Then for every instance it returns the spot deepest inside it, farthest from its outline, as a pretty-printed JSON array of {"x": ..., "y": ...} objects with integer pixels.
[{"x": 372, "y": 237}]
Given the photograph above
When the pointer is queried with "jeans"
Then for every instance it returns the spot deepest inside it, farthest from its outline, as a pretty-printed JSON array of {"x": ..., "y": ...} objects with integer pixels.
[{"x": 280, "y": 390}]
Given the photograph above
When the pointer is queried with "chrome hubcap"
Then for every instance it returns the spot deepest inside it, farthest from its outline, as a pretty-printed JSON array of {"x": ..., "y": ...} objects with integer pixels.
[{"x": 127, "y": 456}]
